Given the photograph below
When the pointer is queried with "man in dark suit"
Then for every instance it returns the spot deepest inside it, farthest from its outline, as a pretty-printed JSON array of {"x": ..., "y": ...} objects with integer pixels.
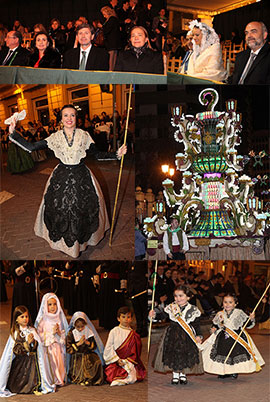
[
  {"x": 252, "y": 66},
  {"x": 13, "y": 54},
  {"x": 86, "y": 56}
]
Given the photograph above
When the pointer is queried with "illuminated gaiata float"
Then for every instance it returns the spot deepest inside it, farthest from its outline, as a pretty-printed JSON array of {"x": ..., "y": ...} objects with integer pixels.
[{"x": 216, "y": 204}]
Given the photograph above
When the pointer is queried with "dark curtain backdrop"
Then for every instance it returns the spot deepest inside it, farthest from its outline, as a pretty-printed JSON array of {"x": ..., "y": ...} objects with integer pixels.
[
  {"x": 31, "y": 12},
  {"x": 237, "y": 19}
]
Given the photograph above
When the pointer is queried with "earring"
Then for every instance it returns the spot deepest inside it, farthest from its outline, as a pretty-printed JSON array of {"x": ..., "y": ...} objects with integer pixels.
[{"x": 61, "y": 125}]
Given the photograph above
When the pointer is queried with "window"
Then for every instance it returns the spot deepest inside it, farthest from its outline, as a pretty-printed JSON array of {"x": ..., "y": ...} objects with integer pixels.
[
  {"x": 41, "y": 109},
  {"x": 80, "y": 99}
]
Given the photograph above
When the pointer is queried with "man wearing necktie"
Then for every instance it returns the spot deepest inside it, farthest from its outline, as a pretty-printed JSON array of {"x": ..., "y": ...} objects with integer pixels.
[
  {"x": 86, "y": 56},
  {"x": 252, "y": 66},
  {"x": 184, "y": 65},
  {"x": 13, "y": 54}
]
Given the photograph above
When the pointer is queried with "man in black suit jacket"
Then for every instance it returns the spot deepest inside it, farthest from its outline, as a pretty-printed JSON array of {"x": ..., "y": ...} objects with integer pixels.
[
  {"x": 259, "y": 71},
  {"x": 95, "y": 58},
  {"x": 13, "y": 54}
]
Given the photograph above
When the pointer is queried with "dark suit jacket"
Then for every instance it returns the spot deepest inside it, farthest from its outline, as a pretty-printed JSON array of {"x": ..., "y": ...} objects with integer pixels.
[
  {"x": 21, "y": 58},
  {"x": 259, "y": 72},
  {"x": 51, "y": 59},
  {"x": 149, "y": 62},
  {"x": 98, "y": 59},
  {"x": 112, "y": 36}
]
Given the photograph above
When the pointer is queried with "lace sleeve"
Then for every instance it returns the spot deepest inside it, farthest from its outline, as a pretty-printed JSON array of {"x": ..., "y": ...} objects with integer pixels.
[
  {"x": 17, "y": 139},
  {"x": 239, "y": 319},
  {"x": 218, "y": 320}
]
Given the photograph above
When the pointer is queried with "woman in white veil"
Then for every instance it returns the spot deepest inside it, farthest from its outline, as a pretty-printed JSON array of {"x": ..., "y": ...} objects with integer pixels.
[{"x": 206, "y": 59}]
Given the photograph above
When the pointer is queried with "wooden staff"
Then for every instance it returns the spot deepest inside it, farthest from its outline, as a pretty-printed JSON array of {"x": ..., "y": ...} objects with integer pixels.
[
  {"x": 246, "y": 323},
  {"x": 152, "y": 306},
  {"x": 36, "y": 284},
  {"x": 121, "y": 166},
  {"x": 138, "y": 294}
]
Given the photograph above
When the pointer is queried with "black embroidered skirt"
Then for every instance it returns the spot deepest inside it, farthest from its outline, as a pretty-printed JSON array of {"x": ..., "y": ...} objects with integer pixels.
[
  {"x": 177, "y": 352},
  {"x": 71, "y": 205},
  {"x": 223, "y": 345}
]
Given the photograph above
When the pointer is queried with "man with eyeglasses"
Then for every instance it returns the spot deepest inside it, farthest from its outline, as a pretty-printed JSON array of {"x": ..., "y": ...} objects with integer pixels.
[{"x": 13, "y": 54}]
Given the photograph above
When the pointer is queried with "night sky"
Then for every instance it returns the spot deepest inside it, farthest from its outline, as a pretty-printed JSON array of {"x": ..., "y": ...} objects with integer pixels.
[{"x": 252, "y": 102}]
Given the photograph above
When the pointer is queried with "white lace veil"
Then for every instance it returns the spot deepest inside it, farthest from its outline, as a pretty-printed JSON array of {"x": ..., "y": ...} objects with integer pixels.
[{"x": 209, "y": 37}]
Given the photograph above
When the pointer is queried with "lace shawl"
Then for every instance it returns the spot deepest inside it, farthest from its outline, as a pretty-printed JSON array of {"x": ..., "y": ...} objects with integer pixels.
[
  {"x": 189, "y": 314},
  {"x": 235, "y": 321},
  {"x": 70, "y": 155}
]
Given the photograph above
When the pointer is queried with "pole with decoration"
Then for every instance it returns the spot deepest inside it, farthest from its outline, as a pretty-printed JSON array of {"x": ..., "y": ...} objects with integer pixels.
[{"x": 152, "y": 306}]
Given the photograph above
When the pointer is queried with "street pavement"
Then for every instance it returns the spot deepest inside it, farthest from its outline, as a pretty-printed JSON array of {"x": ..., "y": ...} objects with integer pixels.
[
  {"x": 208, "y": 388},
  {"x": 77, "y": 393},
  {"x": 18, "y": 213}
]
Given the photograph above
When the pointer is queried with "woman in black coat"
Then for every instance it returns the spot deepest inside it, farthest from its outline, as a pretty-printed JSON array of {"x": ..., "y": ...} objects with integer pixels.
[
  {"x": 44, "y": 56},
  {"x": 139, "y": 57},
  {"x": 112, "y": 36}
]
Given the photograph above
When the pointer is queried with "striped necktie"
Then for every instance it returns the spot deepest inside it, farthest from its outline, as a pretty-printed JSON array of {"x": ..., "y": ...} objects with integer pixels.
[
  {"x": 8, "y": 57},
  {"x": 251, "y": 59},
  {"x": 83, "y": 61}
]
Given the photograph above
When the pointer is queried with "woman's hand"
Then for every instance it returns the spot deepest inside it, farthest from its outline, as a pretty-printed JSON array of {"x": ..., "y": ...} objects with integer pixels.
[
  {"x": 12, "y": 124},
  {"x": 120, "y": 362},
  {"x": 122, "y": 151},
  {"x": 213, "y": 330},
  {"x": 152, "y": 314}
]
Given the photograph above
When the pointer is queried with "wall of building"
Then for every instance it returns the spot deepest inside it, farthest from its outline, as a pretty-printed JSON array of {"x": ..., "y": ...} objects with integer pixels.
[{"x": 24, "y": 97}]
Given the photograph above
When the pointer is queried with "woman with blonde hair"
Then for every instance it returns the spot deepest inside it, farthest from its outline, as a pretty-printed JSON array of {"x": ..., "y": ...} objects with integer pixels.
[
  {"x": 111, "y": 32},
  {"x": 139, "y": 57}
]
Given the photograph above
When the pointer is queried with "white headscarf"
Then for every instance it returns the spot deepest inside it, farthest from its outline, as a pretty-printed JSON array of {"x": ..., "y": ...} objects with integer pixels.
[
  {"x": 209, "y": 37},
  {"x": 49, "y": 318},
  {"x": 90, "y": 330}
]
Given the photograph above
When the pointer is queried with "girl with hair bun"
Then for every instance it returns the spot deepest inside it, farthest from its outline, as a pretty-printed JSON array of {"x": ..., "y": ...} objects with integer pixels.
[
  {"x": 227, "y": 325},
  {"x": 178, "y": 351}
]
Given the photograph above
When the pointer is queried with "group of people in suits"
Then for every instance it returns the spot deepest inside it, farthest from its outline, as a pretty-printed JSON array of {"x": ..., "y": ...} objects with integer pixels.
[
  {"x": 203, "y": 58},
  {"x": 138, "y": 57}
]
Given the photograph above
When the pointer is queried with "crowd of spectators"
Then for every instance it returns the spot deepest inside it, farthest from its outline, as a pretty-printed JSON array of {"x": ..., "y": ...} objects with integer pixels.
[
  {"x": 99, "y": 127},
  {"x": 202, "y": 53},
  {"x": 50, "y": 46},
  {"x": 207, "y": 293}
]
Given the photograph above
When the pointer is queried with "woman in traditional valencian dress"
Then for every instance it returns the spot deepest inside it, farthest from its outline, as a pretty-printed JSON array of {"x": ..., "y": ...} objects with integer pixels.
[
  {"x": 206, "y": 59},
  {"x": 72, "y": 214},
  {"x": 227, "y": 325}
]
